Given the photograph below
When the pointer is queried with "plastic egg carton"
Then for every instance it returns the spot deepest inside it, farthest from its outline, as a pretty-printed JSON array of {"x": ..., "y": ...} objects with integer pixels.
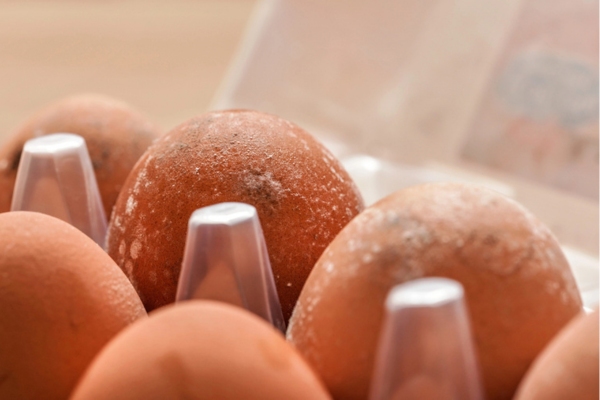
[{"x": 410, "y": 92}]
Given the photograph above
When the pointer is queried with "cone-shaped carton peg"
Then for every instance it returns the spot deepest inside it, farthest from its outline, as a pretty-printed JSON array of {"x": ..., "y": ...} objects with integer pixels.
[
  {"x": 425, "y": 348},
  {"x": 226, "y": 259},
  {"x": 56, "y": 177}
]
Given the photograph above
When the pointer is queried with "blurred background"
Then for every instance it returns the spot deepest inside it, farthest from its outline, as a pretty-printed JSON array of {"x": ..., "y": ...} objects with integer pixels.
[
  {"x": 499, "y": 93},
  {"x": 165, "y": 58}
]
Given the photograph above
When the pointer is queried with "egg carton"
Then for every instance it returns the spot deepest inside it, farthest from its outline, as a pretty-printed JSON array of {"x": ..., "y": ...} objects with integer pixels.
[
  {"x": 56, "y": 177},
  {"x": 59, "y": 173},
  {"x": 226, "y": 259}
]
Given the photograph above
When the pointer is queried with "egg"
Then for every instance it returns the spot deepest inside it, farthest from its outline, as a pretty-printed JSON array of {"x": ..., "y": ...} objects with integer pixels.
[
  {"x": 518, "y": 285},
  {"x": 302, "y": 194},
  {"x": 568, "y": 366},
  {"x": 62, "y": 299},
  {"x": 200, "y": 350},
  {"x": 115, "y": 134}
]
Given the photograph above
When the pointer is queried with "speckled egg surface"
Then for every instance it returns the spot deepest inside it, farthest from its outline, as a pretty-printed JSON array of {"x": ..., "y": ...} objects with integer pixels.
[
  {"x": 518, "y": 286},
  {"x": 302, "y": 194}
]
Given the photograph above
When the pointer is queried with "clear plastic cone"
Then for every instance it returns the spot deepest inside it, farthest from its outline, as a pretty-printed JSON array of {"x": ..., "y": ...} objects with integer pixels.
[
  {"x": 425, "y": 348},
  {"x": 226, "y": 259},
  {"x": 56, "y": 177}
]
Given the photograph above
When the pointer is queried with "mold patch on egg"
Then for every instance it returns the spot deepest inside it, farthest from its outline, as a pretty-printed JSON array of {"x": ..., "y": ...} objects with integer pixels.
[
  {"x": 135, "y": 248},
  {"x": 262, "y": 187}
]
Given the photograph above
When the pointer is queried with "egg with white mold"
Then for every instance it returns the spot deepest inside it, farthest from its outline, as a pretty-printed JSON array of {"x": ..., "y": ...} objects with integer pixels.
[
  {"x": 518, "y": 285},
  {"x": 302, "y": 194}
]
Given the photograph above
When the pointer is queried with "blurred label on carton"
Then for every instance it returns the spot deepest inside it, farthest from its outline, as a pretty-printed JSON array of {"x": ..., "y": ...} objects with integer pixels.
[{"x": 538, "y": 117}]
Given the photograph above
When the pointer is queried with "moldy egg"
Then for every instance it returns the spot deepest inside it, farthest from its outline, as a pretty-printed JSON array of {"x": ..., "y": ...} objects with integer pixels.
[
  {"x": 518, "y": 286},
  {"x": 302, "y": 194}
]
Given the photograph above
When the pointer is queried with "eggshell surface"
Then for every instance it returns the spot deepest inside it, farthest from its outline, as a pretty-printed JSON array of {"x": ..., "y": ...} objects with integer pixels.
[
  {"x": 302, "y": 194},
  {"x": 200, "y": 350},
  {"x": 115, "y": 134},
  {"x": 568, "y": 367},
  {"x": 61, "y": 300},
  {"x": 518, "y": 286}
]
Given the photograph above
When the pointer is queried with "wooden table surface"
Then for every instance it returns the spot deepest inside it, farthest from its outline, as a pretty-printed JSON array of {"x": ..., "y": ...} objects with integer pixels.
[{"x": 166, "y": 58}]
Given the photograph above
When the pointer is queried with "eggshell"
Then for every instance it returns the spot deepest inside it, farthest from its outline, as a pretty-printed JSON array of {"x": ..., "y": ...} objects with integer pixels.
[
  {"x": 200, "y": 350},
  {"x": 568, "y": 367},
  {"x": 302, "y": 194},
  {"x": 115, "y": 134},
  {"x": 61, "y": 300},
  {"x": 518, "y": 286}
]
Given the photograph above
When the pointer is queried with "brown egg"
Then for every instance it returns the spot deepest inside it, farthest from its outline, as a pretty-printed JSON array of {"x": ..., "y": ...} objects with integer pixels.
[
  {"x": 568, "y": 367},
  {"x": 518, "y": 285},
  {"x": 115, "y": 134},
  {"x": 302, "y": 194},
  {"x": 61, "y": 300},
  {"x": 200, "y": 350}
]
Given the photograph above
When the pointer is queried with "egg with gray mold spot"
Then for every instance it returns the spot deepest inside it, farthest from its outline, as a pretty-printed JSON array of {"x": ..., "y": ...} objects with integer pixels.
[
  {"x": 302, "y": 194},
  {"x": 518, "y": 285}
]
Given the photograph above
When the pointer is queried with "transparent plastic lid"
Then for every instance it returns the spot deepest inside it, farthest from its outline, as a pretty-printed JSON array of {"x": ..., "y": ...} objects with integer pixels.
[
  {"x": 425, "y": 348},
  {"x": 226, "y": 259},
  {"x": 405, "y": 92},
  {"x": 56, "y": 177}
]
